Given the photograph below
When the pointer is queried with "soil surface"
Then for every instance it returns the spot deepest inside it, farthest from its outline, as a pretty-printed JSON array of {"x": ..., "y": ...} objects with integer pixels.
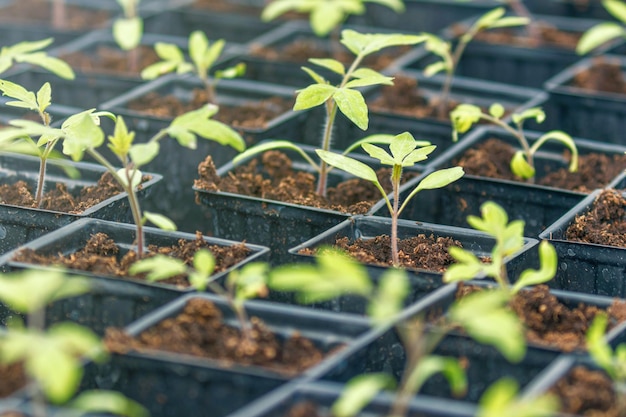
[
  {"x": 586, "y": 392},
  {"x": 102, "y": 256},
  {"x": 250, "y": 115},
  {"x": 604, "y": 223},
  {"x": 60, "y": 199},
  {"x": 304, "y": 409},
  {"x": 547, "y": 35},
  {"x": 420, "y": 252},
  {"x": 604, "y": 75},
  {"x": 38, "y": 11},
  {"x": 227, "y": 6},
  {"x": 112, "y": 60},
  {"x": 492, "y": 158},
  {"x": 12, "y": 378},
  {"x": 283, "y": 183},
  {"x": 552, "y": 324},
  {"x": 199, "y": 331}
]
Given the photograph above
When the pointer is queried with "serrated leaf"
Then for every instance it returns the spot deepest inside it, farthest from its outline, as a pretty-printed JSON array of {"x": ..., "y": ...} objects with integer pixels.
[
  {"x": 378, "y": 153},
  {"x": 19, "y": 93},
  {"x": 313, "y": 95},
  {"x": 44, "y": 97}
]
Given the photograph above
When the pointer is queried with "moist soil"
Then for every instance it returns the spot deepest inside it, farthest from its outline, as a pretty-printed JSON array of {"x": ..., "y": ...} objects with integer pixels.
[
  {"x": 38, "y": 11},
  {"x": 552, "y": 324},
  {"x": 604, "y": 223},
  {"x": 12, "y": 378},
  {"x": 102, "y": 256},
  {"x": 249, "y": 115},
  {"x": 61, "y": 199},
  {"x": 283, "y": 183},
  {"x": 586, "y": 392},
  {"x": 419, "y": 252},
  {"x": 492, "y": 158},
  {"x": 603, "y": 76},
  {"x": 112, "y": 60},
  {"x": 199, "y": 331}
]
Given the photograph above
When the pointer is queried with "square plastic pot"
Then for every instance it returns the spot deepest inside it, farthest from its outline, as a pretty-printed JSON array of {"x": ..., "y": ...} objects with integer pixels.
[
  {"x": 586, "y": 267},
  {"x": 169, "y": 383},
  {"x": 112, "y": 301},
  {"x": 539, "y": 206},
  {"x": 422, "y": 282},
  {"x": 525, "y": 66},
  {"x": 594, "y": 115}
]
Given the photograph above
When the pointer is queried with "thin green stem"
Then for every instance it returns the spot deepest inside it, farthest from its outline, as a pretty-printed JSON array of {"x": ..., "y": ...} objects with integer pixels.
[
  {"x": 43, "y": 161},
  {"x": 36, "y": 321},
  {"x": 518, "y": 133},
  {"x": 395, "y": 181}
]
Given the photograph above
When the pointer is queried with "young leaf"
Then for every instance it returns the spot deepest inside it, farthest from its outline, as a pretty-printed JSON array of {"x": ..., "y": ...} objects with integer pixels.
[
  {"x": 204, "y": 262},
  {"x": 520, "y": 166},
  {"x": 160, "y": 221},
  {"x": 389, "y": 297},
  {"x": 313, "y": 96},
  {"x": 185, "y": 127},
  {"x": 345, "y": 163},
  {"x": 431, "y": 365},
  {"x": 331, "y": 64},
  {"x": 500, "y": 399},
  {"x": 352, "y": 105},
  {"x": 359, "y": 391},
  {"x": 127, "y": 32},
  {"x": 143, "y": 153},
  {"x": 547, "y": 271},
  {"x": 158, "y": 267},
  {"x": 109, "y": 402},
  {"x": 616, "y": 8},
  {"x": 598, "y": 35}
]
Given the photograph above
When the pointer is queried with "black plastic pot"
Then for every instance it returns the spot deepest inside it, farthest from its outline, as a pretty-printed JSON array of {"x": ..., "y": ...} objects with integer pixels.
[
  {"x": 539, "y": 206},
  {"x": 178, "y": 164},
  {"x": 585, "y": 9},
  {"x": 169, "y": 384},
  {"x": 18, "y": 225},
  {"x": 525, "y": 66},
  {"x": 112, "y": 301},
  {"x": 586, "y": 267},
  {"x": 323, "y": 394},
  {"x": 594, "y": 115},
  {"x": 384, "y": 352},
  {"x": 422, "y": 282}
]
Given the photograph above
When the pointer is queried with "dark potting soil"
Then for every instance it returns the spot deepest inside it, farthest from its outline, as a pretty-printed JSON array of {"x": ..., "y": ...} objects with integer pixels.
[
  {"x": 550, "y": 323},
  {"x": 38, "y": 11},
  {"x": 604, "y": 75},
  {"x": 283, "y": 183},
  {"x": 586, "y": 392},
  {"x": 199, "y": 331},
  {"x": 604, "y": 223},
  {"x": 547, "y": 35},
  {"x": 12, "y": 378},
  {"x": 492, "y": 158},
  {"x": 419, "y": 252},
  {"x": 102, "y": 256},
  {"x": 226, "y": 6},
  {"x": 112, "y": 60},
  {"x": 304, "y": 409},
  {"x": 61, "y": 199},
  {"x": 250, "y": 115}
]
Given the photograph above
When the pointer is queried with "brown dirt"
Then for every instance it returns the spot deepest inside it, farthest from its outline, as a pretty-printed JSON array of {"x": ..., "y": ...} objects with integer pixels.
[
  {"x": 420, "y": 252},
  {"x": 586, "y": 392},
  {"x": 604, "y": 75},
  {"x": 548, "y": 36},
  {"x": 225, "y": 6},
  {"x": 604, "y": 223},
  {"x": 60, "y": 199},
  {"x": 102, "y": 256},
  {"x": 250, "y": 115},
  {"x": 304, "y": 409},
  {"x": 199, "y": 331},
  {"x": 282, "y": 183},
  {"x": 549, "y": 322},
  {"x": 111, "y": 60},
  {"x": 12, "y": 378},
  {"x": 38, "y": 11},
  {"x": 492, "y": 158}
]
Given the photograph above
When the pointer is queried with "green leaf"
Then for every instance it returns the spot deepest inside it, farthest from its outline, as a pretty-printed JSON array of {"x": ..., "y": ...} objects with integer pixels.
[
  {"x": 464, "y": 116},
  {"x": 157, "y": 69},
  {"x": 57, "y": 372},
  {"x": 249, "y": 282},
  {"x": 277, "y": 8},
  {"x": 352, "y": 104},
  {"x": 496, "y": 110},
  {"x": 110, "y": 402},
  {"x": 19, "y": 93},
  {"x": 395, "y": 5},
  {"x": 489, "y": 18},
  {"x": 198, "y": 46},
  {"x": 440, "y": 178},
  {"x": 364, "y": 77},
  {"x": 211, "y": 55},
  {"x": 313, "y": 96},
  {"x": 316, "y": 77},
  {"x": 204, "y": 262},
  {"x": 431, "y": 365},
  {"x": 44, "y": 97},
  {"x": 435, "y": 68},
  {"x": 160, "y": 221},
  {"x": 359, "y": 391},
  {"x": 143, "y": 153},
  {"x": 52, "y": 64},
  {"x": 158, "y": 267},
  {"x": 365, "y": 44},
  {"x": 331, "y": 64},
  {"x": 548, "y": 263},
  {"x": 125, "y": 173},
  {"x": 325, "y": 17},
  {"x": 81, "y": 132},
  {"x": 127, "y": 32},
  {"x": 536, "y": 113},
  {"x": 598, "y": 348},
  {"x": 520, "y": 166},
  {"x": 350, "y": 165},
  {"x": 418, "y": 155},
  {"x": 500, "y": 399},
  {"x": 122, "y": 140},
  {"x": 185, "y": 127},
  {"x": 389, "y": 297},
  {"x": 616, "y": 8},
  {"x": 598, "y": 35},
  {"x": 378, "y": 153},
  {"x": 231, "y": 72},
  {"x": 510, "y": 21},
  {"x": 169, "y": 52},
  {"x": 565, "y": 139}
]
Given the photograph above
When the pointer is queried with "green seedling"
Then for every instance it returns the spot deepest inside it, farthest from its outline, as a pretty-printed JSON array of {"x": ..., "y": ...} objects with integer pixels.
[
  {"x": 509, "y": 239},
  {"x": 464, "y": 116},
  {"x": 501, "y": 399},
  {"x": 604, "y": 32},
  {"x": 405, "y": 152},
  {"x": 484, "y": 316},
  {"x": 344, "y": 97},
  {"x": 203, "y": 56},
  {"x": 52, "y": 358},
  {"x": 450, "y": 58},
  {"x": 325, "y": 15},
  {"x": 128, "y": 30},
  {"x": 240, "y": 285},
  {"x": 32, "y": 53},
  {"x": 612, "y": 361}
]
